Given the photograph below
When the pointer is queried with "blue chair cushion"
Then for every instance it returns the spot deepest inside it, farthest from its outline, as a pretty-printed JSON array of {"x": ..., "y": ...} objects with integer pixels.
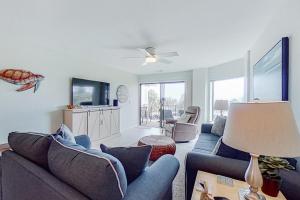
[
  {"x": 134, "y": 159},
  {"x": 95, "y": 174}
]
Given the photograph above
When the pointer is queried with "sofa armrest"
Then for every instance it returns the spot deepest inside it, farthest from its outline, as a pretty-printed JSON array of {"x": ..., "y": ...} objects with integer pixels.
[
  {"x": 83, "y": 140},
  {"x": 155, "y": 182},
  {"x": 206, "y": 128},
  {"x": 213, "y": 164}
]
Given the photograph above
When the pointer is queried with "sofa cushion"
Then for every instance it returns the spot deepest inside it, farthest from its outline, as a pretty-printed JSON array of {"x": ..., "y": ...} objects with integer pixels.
[
  {"x": 134, "y": 159},
  {"x": 218, "y": 126},
  {"x": 66, "y": 133},
  {"x": 94, "y": 173},
  {"x": 33, "y": 146},
  {"x": 206, "y": 143}
]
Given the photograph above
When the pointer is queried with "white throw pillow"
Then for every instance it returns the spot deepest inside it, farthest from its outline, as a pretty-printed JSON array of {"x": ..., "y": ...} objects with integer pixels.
[
  {"x": 218, "y": 126},
  {"x": 184, "y": 118}
]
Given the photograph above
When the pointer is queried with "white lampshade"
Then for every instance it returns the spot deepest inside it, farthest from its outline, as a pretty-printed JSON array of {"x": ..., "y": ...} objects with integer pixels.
[
  {"x": 263, "y": 129},
  {"x": 221, "y": 105}
]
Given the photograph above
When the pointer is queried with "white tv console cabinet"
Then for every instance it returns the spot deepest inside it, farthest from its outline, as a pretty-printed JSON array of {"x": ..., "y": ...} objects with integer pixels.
[{"x": 96, "y": 122}]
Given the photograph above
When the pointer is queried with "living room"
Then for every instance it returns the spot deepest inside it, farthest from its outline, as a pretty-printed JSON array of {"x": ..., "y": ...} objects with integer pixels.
[{"x": 166, "y": 72}]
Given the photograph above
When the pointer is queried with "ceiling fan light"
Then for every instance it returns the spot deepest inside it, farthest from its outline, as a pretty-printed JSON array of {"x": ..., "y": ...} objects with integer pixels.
[{"x": 151, "y": 59}]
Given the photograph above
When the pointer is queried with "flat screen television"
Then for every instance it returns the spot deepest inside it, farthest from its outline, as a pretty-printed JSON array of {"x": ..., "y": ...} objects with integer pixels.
[
  {"x": 271, "y": 74},
  {"x": 89, "y": 93}
]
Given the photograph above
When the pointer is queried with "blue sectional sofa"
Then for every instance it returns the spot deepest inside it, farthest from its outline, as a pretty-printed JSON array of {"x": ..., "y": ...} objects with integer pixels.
[
  {"x": 23, "y": 179},
  {"x": 202, "y": 158}
]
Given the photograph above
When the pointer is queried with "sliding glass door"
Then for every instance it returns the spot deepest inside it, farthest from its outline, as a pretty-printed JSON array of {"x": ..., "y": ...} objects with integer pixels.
[{"x": 161, "y": 101}]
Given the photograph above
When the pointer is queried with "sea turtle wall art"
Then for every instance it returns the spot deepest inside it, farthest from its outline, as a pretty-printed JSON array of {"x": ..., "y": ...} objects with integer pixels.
[{"x": 26, "y": 79}]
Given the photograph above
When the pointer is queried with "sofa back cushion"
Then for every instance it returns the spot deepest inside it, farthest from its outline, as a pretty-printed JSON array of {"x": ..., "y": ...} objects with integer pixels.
[
  {"x": 95, "y": 174},
  {"x": 229, "y": 152},
  {"x": 32, "y": 146}
]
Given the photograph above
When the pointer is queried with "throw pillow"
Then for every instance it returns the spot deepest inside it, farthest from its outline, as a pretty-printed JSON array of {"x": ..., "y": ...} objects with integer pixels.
[
  {"x": 33, "y": 146},
  {"x": 66, "y": 133},
  {"x": 93, "y": 173},
  {"x": 184, "y": 118},
  {"x": 229, "y": 152},
  {"x": 134, "y": 159},
  {"x": 218, "y": 126}
]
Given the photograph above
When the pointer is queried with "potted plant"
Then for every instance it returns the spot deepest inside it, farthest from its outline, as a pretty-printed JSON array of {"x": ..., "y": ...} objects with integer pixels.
[{"x": 269, "y": 167}]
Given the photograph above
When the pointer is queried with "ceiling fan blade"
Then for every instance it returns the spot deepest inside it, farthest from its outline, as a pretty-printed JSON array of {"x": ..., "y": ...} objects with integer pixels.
[
  {"x": 168, "y": 54},
  {"x": 165, "y": 61},
  {"x": 144, "y": 51},
  {"x": 134, "y": 57}
]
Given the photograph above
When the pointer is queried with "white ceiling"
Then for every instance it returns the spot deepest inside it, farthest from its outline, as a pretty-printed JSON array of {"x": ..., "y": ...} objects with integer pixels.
[{"x": 203, "y": 32}]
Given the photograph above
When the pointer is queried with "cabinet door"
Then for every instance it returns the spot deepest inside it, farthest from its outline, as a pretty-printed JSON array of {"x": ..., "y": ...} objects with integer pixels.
[
  {"x": 79, "y": 123},
  {"x": 115, "y": 121},
  {"x": 94, "y": 125},
  {"x": 105, "y": 124}
]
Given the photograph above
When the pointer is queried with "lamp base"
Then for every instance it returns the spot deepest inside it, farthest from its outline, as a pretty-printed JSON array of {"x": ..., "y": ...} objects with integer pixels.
[{"x": 245, "y": 194}]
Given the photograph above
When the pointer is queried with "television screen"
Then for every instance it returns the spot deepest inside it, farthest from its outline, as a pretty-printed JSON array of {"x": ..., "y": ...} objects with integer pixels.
[
  {"x": 89, "y": 93},
  {"x": 270, "y": 74}
]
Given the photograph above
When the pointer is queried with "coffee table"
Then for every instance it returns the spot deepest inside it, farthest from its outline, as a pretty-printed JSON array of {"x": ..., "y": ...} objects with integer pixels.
[
  {"x": 161, "y": 145},
  {"x": 218, "y": 189}
]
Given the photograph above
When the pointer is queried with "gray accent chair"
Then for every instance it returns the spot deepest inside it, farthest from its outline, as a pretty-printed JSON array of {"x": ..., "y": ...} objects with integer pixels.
[
  {"x": 184, "y": 132},
  {"x": 22, "y": 179}
]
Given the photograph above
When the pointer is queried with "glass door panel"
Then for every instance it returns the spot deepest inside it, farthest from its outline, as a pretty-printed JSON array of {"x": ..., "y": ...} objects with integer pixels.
[
  {"x": 150, "y": 105},
  {"x": 173, "y": 99}
]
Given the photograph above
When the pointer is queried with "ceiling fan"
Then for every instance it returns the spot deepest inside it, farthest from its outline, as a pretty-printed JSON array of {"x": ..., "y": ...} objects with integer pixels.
[{"x": 152, "y": 57}]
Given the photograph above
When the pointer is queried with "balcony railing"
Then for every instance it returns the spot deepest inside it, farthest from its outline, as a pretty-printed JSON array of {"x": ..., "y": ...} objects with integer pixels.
[{"x": 149, "y": 114}]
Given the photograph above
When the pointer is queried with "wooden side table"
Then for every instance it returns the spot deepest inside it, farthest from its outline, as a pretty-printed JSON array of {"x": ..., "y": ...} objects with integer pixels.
[{"x": 230, "y": 192}]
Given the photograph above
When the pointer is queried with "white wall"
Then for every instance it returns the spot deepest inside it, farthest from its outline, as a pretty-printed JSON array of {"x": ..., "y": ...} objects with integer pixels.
[
  {"x": 203, "y": 76},
  {"x": 186, "y": 76},
  {"x": 42, "y": 111},
  {"x": 284, "y": 23},
  {"x": 200, "y": 91},
  {"x": 228, "y": 70}
]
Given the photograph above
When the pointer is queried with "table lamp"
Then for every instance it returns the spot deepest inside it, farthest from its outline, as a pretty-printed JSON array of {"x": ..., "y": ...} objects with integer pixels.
[
  {"x": 221, "y": 105},
  {"x": 267, "y": 129}
]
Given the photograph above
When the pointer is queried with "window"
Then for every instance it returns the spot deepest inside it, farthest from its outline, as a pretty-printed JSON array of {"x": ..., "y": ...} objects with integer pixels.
[{"x": 230, "y": 89}]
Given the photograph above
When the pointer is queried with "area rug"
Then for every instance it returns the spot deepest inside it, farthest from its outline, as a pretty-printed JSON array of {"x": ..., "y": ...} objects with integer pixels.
[{"x": 178, "y": 184}]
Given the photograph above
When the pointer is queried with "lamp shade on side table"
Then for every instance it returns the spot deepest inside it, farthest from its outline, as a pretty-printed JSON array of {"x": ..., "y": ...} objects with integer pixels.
[{"x": 267, "y": 129}]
